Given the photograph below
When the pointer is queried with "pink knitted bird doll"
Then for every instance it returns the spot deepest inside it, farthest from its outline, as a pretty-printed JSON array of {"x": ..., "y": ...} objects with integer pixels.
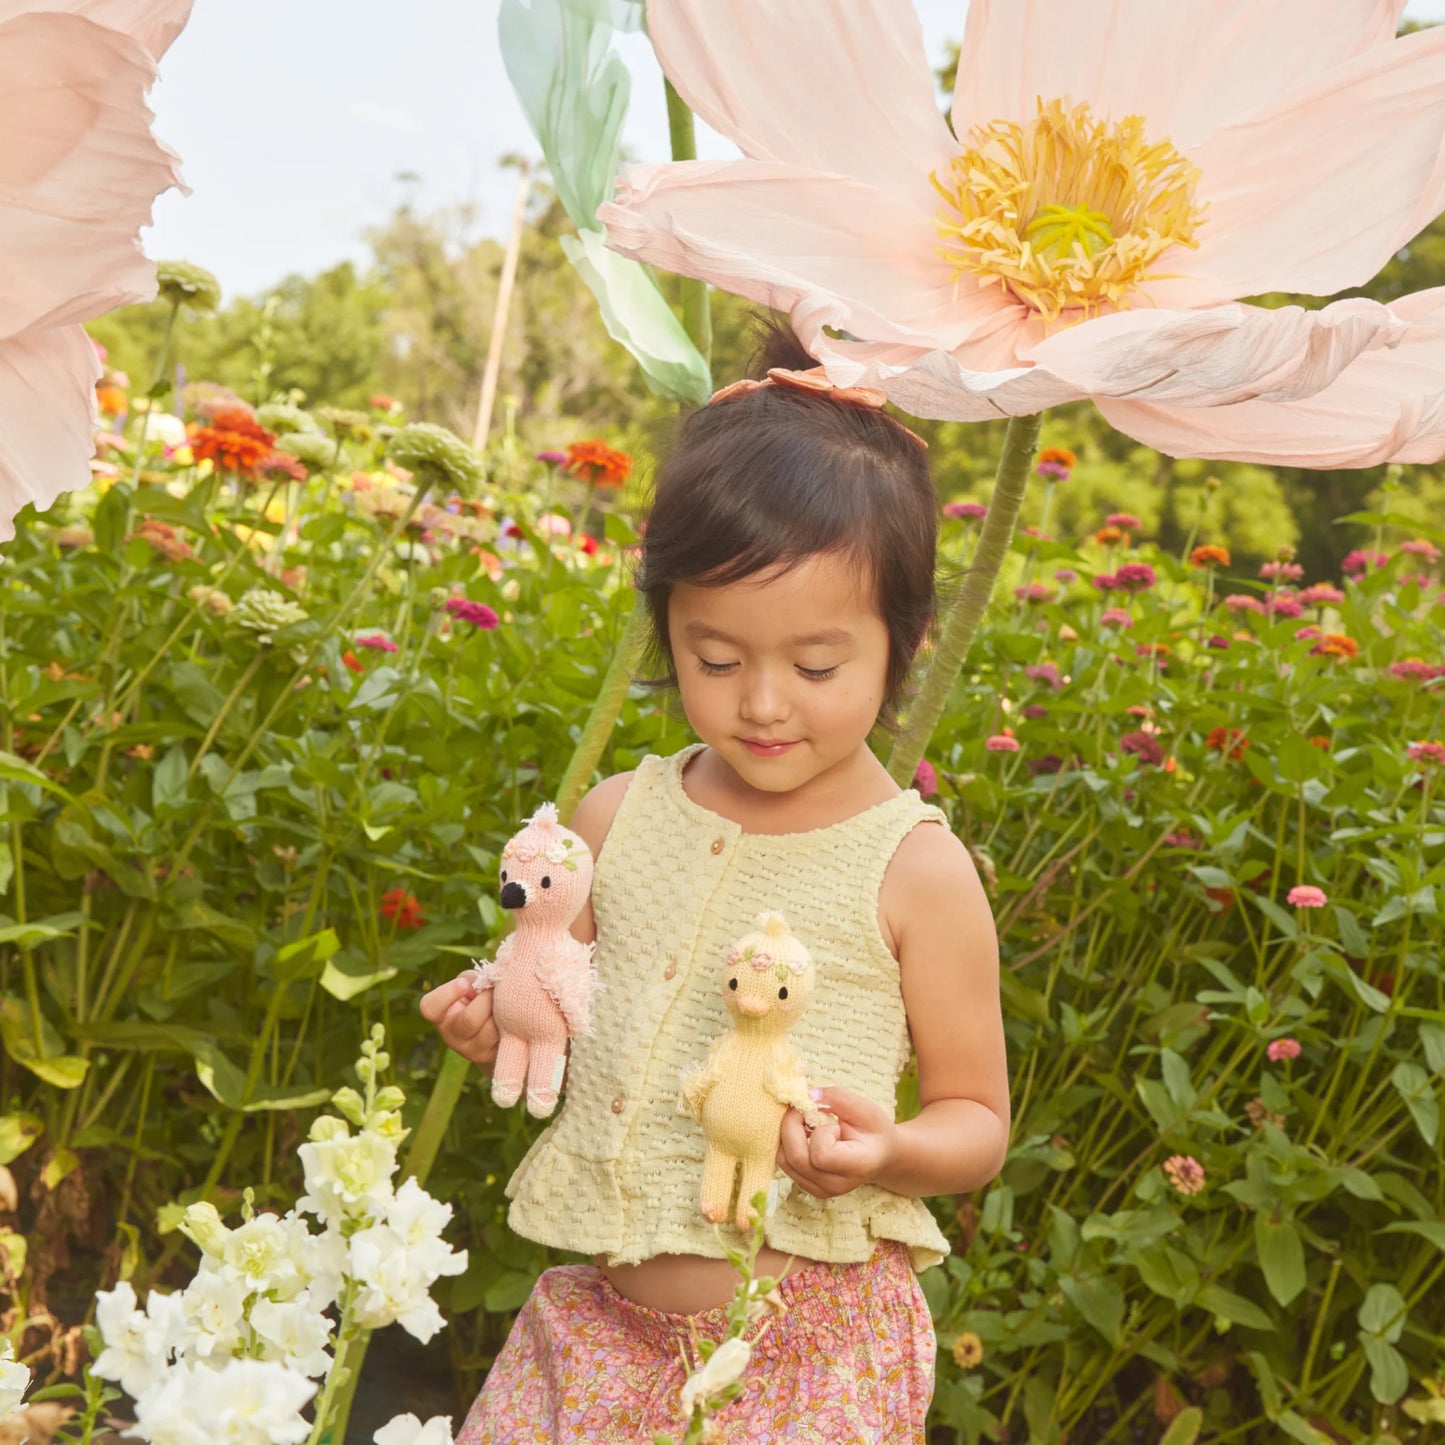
[{"x": 542, "y": 979}]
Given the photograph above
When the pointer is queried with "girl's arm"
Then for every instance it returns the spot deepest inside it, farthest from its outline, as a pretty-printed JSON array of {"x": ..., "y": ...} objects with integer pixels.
[{"x": 940, "y": 920}]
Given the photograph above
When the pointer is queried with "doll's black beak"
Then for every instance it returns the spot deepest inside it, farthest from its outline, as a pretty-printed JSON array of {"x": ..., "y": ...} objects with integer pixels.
[{"x": 514, "y": 895}]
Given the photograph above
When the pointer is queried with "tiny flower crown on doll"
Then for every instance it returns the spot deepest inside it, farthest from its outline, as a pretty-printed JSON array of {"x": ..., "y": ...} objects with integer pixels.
[
  {"x": 543, "y": 837},
  {"x": 774, "y": 945}
]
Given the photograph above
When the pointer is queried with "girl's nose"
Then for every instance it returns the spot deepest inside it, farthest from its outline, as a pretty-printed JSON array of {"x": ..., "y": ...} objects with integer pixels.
[{"x": 762, "y": 701}]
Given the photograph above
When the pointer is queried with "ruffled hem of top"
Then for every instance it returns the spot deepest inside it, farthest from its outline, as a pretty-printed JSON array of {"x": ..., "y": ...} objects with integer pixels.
[{"x": 549, "y": 1182}]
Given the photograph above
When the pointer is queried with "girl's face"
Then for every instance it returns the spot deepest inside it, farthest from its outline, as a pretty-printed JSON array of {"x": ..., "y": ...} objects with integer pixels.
[{"x": 782, "y": 674}]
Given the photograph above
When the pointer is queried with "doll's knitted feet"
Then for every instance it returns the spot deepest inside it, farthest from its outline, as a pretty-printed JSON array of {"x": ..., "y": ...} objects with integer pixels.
[
  {"x": 541, "y": 1102},
  {"x": 506, "y": 1092}
]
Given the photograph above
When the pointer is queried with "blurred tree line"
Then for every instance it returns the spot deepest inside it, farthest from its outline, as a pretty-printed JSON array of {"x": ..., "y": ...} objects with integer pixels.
[{"x": 415, "y": 324}]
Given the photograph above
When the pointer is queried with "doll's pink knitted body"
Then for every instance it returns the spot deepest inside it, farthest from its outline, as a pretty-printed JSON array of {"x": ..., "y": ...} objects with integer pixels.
[{"x": 542, "y": 979}]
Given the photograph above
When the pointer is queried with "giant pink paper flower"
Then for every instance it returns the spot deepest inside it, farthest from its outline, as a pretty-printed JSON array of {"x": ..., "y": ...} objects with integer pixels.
[
  {"x": 79, "y": 171},
  {"x": 1124, "y": 171}
]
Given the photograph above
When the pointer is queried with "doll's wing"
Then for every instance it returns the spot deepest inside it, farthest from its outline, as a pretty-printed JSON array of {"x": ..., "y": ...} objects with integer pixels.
[
  {"x": 786, "y": 1081},
  {"x": 484, "y": 975},
  {"x": 698, "y": 1083},
  {"x": 566, "y": 971}
]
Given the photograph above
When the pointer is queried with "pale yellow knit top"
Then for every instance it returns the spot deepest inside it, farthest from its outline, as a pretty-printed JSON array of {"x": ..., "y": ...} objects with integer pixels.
[{"x": 619, "y": 1169}]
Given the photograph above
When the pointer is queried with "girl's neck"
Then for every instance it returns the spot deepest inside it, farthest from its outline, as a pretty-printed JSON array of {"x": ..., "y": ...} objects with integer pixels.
[{"x": 844, "y": 790}]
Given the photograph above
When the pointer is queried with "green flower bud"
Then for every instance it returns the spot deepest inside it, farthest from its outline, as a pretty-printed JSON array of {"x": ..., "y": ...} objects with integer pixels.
[
  {"x": 346, "y": 423},
  {"x": 326, "y": 1128},
  {"x": 201, "y": 1224},
  {"x": 265, "y": 612},
  {"x": 437, "y": 597},
  {"x": 390, "y": 1097},
  {"x": 281, "y": 416},
  {"x": 314, "y": 448},
  {"x": 440, "y": 455},
  {"x": 351, "y": 1105},
  {"x": 182, "y": 283},
  {"x": 388, "y": 1125}
]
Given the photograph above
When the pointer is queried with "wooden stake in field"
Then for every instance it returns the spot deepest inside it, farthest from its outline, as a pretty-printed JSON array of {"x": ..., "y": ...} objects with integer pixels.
[{"x": 493, "y": 367}]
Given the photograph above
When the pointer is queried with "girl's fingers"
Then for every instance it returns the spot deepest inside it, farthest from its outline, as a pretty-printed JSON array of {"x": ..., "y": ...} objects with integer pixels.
[{"x": 437, "y": 1003}]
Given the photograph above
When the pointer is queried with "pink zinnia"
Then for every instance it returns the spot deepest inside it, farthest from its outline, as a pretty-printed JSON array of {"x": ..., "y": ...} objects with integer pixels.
[
  {"x": 553, "y": 459},
  {"x": 1283, "y": 1049},
  {"x": 1306, "y": 895},
  {"x": 1242, "y": 602},
  {"x": 1116, "y": 617},
  {"x": 1416, "y": 669},
  {"x": 1034, "y": 592},
  {"x": 1044, "y": 672},
  {"x": 1106, "y": 581},
  {"x": 1321, "y": 592},
  {"x": 972, "y": 510},
  {"x": 1181, "y": 840},
  {"x": 1283, "y": 606},
  {"x": 1283, "y": 571},
  {"x": 1421, "y": 548},
  {"x": 1185, "y": 1173},
  {"x": 1127, "y": 520},
  {"x": 1065, "y": 574},
  {"x": 1144, "y": 746},
  {"x": 1136, "y": 576},
  {"x": 477, "y": 613},
  {"x": 1427, "y": 752},
  {"x": 1003, "y": 742},
  {"x": 925, "y": 779},
  {"x": 1033, "y": 710},
  {"x": 376, "y": 640},
  {"x": 1356, "y": 562}
]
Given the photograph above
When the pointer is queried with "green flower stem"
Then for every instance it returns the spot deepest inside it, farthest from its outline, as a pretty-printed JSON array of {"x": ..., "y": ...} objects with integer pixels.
[
  {"x": 162, "y": 359},
  {"x": 217, "y": 722},
  {"x": 603, "y": 717},
  {"x": 696, "y": 313},
  {"x": 426, "y": 1142},
  {"x": 344, "y": 1340},
  {"x": 963, "y": 620}
]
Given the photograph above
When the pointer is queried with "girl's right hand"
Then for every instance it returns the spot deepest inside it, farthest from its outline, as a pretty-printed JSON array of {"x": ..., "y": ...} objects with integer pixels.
[{"x": 464, "y": 1020}]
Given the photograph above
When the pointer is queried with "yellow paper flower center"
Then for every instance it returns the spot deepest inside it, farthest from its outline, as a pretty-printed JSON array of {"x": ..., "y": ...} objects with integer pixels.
[{"x": 1068, "y": 212}]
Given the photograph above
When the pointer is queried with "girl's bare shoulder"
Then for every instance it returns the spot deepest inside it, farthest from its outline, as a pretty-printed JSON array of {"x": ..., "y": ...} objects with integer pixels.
[
  {"x": 593, "y": 818},
  {"x": 930, "y": 876}
]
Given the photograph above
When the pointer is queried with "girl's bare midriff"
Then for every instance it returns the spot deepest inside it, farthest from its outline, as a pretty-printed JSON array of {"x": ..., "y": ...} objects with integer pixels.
[{"x": 685, "y": 1284}]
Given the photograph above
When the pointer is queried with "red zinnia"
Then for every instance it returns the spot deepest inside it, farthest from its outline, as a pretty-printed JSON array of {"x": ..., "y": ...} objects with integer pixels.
[
  {"x": 234, "y": 442},
  {"x": 403, "y": 909},
  {"x": 1229, "y": 741},
  {"x": 599, "y": 464}
]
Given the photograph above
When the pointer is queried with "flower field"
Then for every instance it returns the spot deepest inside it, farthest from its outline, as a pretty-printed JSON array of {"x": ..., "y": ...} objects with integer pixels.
[{"x": 277, "y": 689}]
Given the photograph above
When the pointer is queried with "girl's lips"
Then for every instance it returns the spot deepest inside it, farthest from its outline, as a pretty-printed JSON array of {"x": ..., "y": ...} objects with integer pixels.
[{"x": 766, "y": 750}]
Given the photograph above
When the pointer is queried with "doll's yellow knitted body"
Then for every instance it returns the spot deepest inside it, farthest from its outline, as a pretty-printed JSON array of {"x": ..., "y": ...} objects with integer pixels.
[{"x": 753, "y": 1072}]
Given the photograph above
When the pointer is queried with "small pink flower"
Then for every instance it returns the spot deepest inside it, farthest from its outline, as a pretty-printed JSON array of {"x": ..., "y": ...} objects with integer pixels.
[
  {"x": 376, "y": 640},
  {"x": 1044, "y": 672},
  {"x": 1181, "y": 840},
  {"x": 1136, "y": 576},
  {"x": 1283, "y": 606},
  {"x": 1065, "y": 574},
  {"x": 553, "y": 459},
  {"x": 1242, "y": 602},
  {"x": 1033, "y": 710},
  {"x": 1421, "y": 548},
  {"x": 1282, "y": 571},
  {"x": 1003, "y": 742},
  {"x": 477, "y": 613},
  {"x": 1126, "y": 520},
  {"x": 549, "y": 524},
  {"x": 1185, "y": 1173},
  {"x": 1106, "y": 581},
  {"x": 1116, "y": 617},
  {"x": 1355, "y": 563},
  {"x": 1144, "y": 747},
  {"x": 1416, "y": 669},
  {"x": 1307, "y": 632},
  {"x": 965, "y": 510},
  {"x": 925, "y": 779},
  {"x": 1034, "y": 592},
  {"x": 1319, "y": 593},
  {"x": 1306, "y": 895},
  {"x": 1283, "y": 1049},
  {"x": 1427, "y": 752}
]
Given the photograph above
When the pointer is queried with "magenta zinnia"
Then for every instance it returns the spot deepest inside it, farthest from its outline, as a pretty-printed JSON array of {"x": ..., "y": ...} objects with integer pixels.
[{"x": 477, "y": 613}]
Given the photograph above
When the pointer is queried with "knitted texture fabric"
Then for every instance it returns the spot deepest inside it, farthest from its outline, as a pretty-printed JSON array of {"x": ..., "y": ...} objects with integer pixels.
[{"x": 618, "y": 1170}]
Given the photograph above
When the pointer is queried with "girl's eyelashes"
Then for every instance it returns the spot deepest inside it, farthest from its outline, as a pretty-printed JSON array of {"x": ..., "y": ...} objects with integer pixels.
[{"x": 721, "y": 669}]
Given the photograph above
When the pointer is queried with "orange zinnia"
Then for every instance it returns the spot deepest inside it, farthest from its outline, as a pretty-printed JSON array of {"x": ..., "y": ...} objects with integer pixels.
[
  {"x": 598, "y": 464},
  {"x": 1107, "y": 536},
  {"x": 1336, "y": 644},
  {"x": 1210, "y": 556},
  {"x": 1058, "y": 456},
  {"x": 234, "y": 442},
  {"x": 1229, "y": 741},
  {"x": 111, "y": 400}
]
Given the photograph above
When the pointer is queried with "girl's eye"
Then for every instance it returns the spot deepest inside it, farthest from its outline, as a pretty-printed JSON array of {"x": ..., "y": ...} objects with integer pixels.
[
  {"x": 732, "y": 983},
  {"x": 818, "y": 674},
  {"x": 714, "y": 669},
  {"x": 782, "y": 993}
]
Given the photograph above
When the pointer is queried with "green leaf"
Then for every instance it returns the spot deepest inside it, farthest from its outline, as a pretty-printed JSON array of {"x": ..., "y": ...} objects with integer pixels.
[
  {"x": 1184, "y": 1428},
  {"x": 350, "y": 973},
  {"x": 168, "y": 782},
  {"x": 1232, "y": 1307},
  {"x": 1100, "y": 1301},
  {"x": 1431, "y": 1229},
  {"x": 1281, "y": 1256},
  {"x": 1298, "y": 1428},
  {"x": 1412, "y": 1084},
  {"x": 18, "y": 1131},
  {"x": 1389, "y": 1374},
  {"x": 1264, "y": 1377},
  {"x": 64, "y": 1071},
  {"x": 1382, "y": 1312},
  {"x": 509, "y": 1292},
  {"x": 303, "y": 957},
  {"x": 61, "y": 1163}
]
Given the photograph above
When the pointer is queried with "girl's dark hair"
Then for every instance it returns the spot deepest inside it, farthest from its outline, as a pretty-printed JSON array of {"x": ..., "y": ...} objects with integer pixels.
[{"x": 777, "y": 475}]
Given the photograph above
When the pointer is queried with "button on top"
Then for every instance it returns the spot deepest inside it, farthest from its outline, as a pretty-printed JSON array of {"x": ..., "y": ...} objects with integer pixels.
[
  {"x": 617, "y": 1104},
  {"x": 718, "y": 844},
  {"x": 669, "y": 971}
]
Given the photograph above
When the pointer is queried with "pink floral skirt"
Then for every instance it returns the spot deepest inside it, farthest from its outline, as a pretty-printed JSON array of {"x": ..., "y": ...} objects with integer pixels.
[{"x": 850, "y": 1361}]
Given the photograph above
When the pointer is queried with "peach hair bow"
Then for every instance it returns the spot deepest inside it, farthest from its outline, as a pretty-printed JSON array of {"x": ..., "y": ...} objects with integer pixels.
[{"x": 816, "y": 382}]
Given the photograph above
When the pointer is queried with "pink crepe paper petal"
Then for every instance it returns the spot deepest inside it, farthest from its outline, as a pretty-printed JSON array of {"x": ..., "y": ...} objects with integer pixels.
[
  {"x": 152, "y": 23},
  {"x": 776, "y": 234},
  {"x": 1218, "y": 356},
  {"x": 1386, "y": 406},
  {"x": 1187, "y": 66},
  {"x": 768, "y": 74},
  {"x": 47, "y": 417},
  {"x": 937, "y": 384},
  {"x": 79, "y": 171},
  {"x": 1358, "y": 150}
]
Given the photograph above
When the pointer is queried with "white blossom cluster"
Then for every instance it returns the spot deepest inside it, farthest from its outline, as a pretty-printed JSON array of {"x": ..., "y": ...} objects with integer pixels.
[
  {"x": 14, "y": 1381},
  {"x": 234, "y": 1357}
]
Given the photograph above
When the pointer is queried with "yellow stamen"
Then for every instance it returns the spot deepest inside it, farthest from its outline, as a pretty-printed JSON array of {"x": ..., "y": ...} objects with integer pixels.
[{"x": 1067, "y": 212}]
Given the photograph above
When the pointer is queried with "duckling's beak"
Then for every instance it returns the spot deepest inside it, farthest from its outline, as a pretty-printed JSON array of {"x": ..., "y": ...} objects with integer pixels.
[{"x": 754, "y": 1008}]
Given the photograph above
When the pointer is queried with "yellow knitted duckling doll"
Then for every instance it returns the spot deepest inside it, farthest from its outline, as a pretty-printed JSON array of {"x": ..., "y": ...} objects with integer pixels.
[{"x": 753, "y": 1072}]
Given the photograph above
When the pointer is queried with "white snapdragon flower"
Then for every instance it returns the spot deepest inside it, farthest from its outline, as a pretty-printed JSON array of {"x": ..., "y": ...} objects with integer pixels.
[
  {"x": 15, "y": 1380},
  {"x": 346, "y": 1178},
  {"x": 418, "y": 1221},
  {"x": 294, "y": 1332},
  {"x": 249, "y": 1402},
  {"x": 138, "y": 1342},
  {"x": 259, "y": 1256},
  {"x": 727, "y": 1364},
  {"x": 321, "y": 1259},
  {"x": 393, "y": 1285},
  {"x": 213, "y": 1308},
  {"x": 408, "y": 1430}
]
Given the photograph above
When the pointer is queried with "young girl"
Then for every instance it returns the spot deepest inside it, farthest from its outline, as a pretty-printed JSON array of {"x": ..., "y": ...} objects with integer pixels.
[{"x": 788, "y": 569}]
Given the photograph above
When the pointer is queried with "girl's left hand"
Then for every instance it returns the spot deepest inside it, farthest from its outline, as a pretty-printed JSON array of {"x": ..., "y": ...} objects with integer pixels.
[{"x": 850, "y": 1147}]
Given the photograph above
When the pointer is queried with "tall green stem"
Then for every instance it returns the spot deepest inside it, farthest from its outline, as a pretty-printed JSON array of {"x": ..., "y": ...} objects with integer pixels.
[
  {"x": 964, "y": 618},
  {"x": 696, "y": 315}
]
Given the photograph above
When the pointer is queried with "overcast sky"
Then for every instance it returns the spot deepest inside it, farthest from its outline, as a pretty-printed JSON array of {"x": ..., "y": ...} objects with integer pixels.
[{"x": 295, "y": 120}]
